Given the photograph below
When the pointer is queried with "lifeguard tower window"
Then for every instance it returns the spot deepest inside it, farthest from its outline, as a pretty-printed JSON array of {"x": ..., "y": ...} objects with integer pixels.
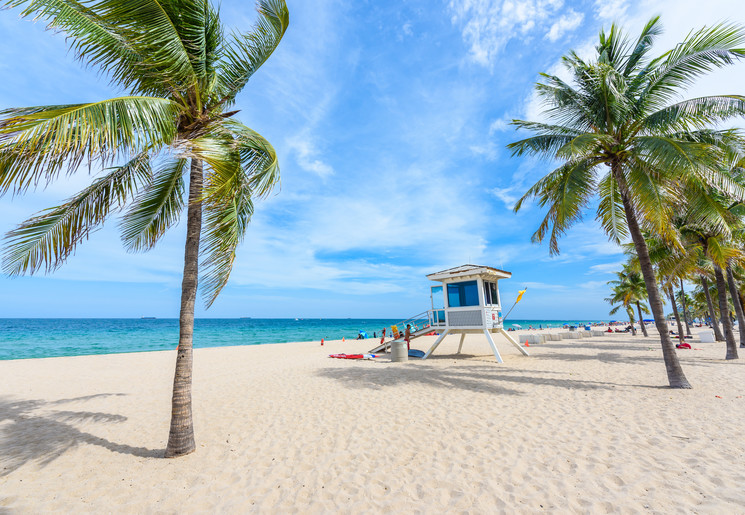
[
  {"x": 491, "y": 293},
  {"x": 463, "y": 294}
]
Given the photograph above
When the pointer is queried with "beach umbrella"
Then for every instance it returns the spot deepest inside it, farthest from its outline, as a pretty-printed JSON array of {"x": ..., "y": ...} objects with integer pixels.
[
  {"x": 364, "y": 334},
  {"x": 517, "y": 325}
]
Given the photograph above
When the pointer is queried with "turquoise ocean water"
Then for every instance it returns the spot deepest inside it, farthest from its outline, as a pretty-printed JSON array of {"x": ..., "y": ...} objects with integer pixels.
[{"x": 22, "y": 338}]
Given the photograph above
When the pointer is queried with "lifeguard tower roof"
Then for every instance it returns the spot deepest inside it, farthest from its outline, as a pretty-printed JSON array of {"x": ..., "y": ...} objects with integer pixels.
[{"x": 465, "y": 271}]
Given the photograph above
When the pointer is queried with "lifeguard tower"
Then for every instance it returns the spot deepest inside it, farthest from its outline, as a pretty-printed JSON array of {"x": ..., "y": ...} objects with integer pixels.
[{"x": 466, "y": 302}]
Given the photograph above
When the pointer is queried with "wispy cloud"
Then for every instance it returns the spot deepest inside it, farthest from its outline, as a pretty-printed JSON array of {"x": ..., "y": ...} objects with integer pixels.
[
  {"x": 613, "y": 10},
  {"x": 605, "y": 268},
  {"x": 566, "y": 22},
  {"x": 489, "y": 25},
  {"x": 307, "y": 155}
]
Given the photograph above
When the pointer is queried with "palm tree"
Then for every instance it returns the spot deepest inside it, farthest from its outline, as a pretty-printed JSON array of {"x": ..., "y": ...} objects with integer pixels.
[
  {"x": 631, "y": 285},
  {"x": 619, "y": 298},
  {"x": 718, "y": 336},
  {"x": 733, "y": 270},
  {"x": 734, "y": 292},
  {"x": 183, "y": 74},
  {"x": 667, "y": 285},
  {"x": 683, "y": 298},
  {"x": 620, "y": 110}
]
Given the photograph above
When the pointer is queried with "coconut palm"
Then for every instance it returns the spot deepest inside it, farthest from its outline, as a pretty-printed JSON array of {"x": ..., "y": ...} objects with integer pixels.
[
  {"x": 631, "y": 285},
  {"x": 715, "y": 248},
  {"x": 182, "y": 72},
  {"x": 683, "y": 299},
  {"x": 713, "y": 320},
  {"x": 619, "y": 131},
  {"x": 618, "y": 300},
  {"x": 737, "y": 304}
]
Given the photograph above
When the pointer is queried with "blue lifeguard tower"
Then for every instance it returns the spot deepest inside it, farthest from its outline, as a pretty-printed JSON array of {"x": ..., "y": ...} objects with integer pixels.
[{"x": 466, "y": 301}]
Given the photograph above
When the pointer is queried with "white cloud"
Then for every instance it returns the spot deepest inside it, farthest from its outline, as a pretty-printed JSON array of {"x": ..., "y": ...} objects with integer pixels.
[
  {"x": 593, "y": 285},
  {"x": 613, "y": 10},
  {"x": 508, "y": 195},
  {"x": 566, "y": 23},
  {"x": 605, "y": 268},
  {"x": 306, "y": 155},
  {"x": 488, "y": 25},
  {"x": 500, "y": 124},
  {"x": 407, "y": 30}
]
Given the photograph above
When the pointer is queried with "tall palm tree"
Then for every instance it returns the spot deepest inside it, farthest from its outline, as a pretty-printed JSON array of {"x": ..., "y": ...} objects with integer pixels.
[
  {"x": 718, "y": 336},
  {"x": 683, "y": 303},
  {"x": 621, "y": 110},
  {"x": 734, "y": 292},
  {"x": 618, "y": 300},
  {"x": 631, "y": 285},
  {"x": 183, "y": 74},
  {"x": 735, "y": 289}
]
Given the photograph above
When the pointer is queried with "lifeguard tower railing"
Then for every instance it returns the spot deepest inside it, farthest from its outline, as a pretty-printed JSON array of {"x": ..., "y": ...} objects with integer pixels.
[
  {"x": 435, "y": 318},
  {"x": 432, "y": 318}
]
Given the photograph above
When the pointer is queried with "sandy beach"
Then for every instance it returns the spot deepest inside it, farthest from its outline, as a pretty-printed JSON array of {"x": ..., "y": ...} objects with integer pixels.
[{"x": 581, "y": 426}]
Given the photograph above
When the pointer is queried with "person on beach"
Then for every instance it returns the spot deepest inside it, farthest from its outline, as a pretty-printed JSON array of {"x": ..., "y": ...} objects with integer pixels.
[
  {"x": 407, "y": 336},
  {"x": 382, "y": 337}
]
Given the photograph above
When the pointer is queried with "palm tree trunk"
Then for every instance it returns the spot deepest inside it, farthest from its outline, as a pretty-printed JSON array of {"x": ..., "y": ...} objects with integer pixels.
[
  {"x": 630, "y": 312},
  {"x": 671, "y": 293},
  {"x": 724, "y": 314},
  {"x": 641, "y": 319},
  {"x": 685, "y": 309},
  {"x": 712, "y": 314},
  {"x": 675, "y": 375},
  {"x": 181, "y": 436},
  {"x": 738, "y": 305}
]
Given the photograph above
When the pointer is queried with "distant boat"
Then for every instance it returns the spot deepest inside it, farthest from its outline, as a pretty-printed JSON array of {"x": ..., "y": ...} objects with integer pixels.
[{"x": 147, "y": 318}]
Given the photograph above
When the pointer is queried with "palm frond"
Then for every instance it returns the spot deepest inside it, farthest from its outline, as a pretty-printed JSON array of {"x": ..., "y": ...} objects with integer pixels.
[
  {"x": 651, "y": 30},
  {"x": 610, "y": 210},
  {"x": 700, "y": 52},
  {"x": 47, "y": 239},
  {"x": 136, "y": 42},
  {"x": 36, "y": 143},
  {"x": 156, "y": 208},
  {"x": 227, "y": 215},
  {"x": 694, "y": 114},
  {"x": 566, "y": 191},
  {"x": 258, "y": 159},
  {"x": 92, "y": 39},
  {"x": 246, "y": 52}
]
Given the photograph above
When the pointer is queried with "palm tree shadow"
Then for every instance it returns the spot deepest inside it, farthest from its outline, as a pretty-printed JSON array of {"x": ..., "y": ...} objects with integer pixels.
[
  {"x": 31, "y": 433},
  {"x": 481, "y": 378}
]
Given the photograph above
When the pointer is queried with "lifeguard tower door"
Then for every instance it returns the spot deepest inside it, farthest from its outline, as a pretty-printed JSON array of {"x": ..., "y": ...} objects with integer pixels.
[{"x": 438, "y": 305}]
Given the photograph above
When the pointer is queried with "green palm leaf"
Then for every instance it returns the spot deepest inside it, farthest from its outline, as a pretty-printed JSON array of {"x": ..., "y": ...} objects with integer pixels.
[
  {"x": 156, "y": 208},
  {"x": 46, "y": 240},
  {"x": 246, "y": 52},
  {"x": 227, "y": 216},
  {"x": 701, "y": 52},
  {"x": 36, "y": 143}
]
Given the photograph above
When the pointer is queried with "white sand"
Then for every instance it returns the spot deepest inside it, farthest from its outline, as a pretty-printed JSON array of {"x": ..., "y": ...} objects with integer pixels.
[{"x": 580, "y": 426}]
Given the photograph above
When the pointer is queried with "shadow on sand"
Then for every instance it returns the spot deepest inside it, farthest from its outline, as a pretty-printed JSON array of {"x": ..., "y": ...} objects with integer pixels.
[
  {"x": 494, "y": 379},
  {"x": 31, "y": 435}
]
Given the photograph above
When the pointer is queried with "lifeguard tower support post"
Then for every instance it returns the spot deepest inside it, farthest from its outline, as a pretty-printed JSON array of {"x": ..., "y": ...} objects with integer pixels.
[{"x": 466, "y": 302}]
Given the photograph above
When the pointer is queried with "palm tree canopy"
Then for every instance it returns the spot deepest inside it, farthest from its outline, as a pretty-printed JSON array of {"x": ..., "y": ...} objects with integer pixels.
[
  {"x": 629, "y": 287},
  {"x": 622, "y": 109},
  {"x": 182, "y": 73}
]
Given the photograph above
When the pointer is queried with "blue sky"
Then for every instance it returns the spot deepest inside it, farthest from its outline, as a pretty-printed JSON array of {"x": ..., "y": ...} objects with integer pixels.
[{"x": 390, "y": 122}]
